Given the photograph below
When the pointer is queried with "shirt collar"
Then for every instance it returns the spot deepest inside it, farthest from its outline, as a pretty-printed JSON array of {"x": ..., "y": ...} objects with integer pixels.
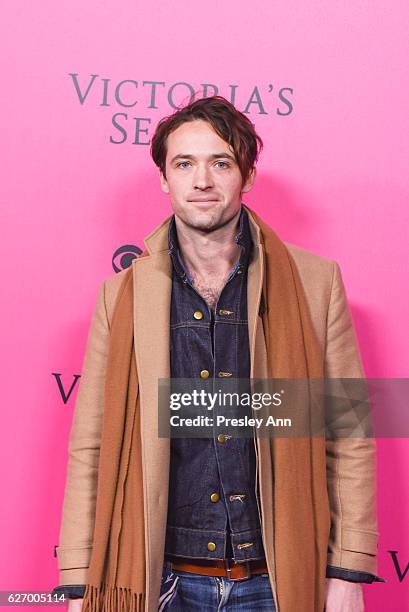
[{"x": 243, "y": 238}]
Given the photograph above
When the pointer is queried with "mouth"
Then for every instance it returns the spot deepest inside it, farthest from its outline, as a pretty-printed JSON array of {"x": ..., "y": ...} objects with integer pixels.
[{"x": 203, "y": 201}]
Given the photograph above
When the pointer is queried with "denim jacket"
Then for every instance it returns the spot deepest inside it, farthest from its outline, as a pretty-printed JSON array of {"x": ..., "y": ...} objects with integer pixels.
[{"x": 212, "y": 510}]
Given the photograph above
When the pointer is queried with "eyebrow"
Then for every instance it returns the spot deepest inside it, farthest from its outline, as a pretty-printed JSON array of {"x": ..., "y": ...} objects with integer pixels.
[{"x": 213, "y": 156}]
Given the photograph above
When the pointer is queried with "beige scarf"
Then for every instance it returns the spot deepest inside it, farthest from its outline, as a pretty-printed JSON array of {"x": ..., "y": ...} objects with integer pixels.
[{"x": 116, "y": 576}]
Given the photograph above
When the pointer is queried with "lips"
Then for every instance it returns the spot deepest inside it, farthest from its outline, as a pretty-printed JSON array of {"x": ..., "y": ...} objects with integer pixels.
[{"x": 204, "y": 200}]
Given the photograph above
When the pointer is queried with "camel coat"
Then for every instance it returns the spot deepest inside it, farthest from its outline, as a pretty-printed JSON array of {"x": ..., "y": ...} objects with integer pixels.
[{"x": 350, "y": 462}]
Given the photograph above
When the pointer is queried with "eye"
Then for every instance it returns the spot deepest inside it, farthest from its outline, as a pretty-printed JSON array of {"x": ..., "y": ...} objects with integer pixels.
[
  {"x": 181, "y": 164},
  {"x": 226, "y": 165}
]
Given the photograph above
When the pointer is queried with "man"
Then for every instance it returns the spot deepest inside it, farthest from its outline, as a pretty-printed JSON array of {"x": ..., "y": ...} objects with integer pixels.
[{"x": 212, "y": 534}]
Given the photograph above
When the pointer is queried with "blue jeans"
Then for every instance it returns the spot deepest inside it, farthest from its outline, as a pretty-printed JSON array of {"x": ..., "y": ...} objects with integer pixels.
[{"x": 189, "y": 592}]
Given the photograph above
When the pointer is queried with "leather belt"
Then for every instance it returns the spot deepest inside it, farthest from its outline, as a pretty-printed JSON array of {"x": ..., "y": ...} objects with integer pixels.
[{"x": 216, "y": 567}]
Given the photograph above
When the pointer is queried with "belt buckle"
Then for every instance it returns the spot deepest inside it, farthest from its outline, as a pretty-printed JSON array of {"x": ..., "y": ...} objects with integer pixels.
[{"x": 229, "y": 569}]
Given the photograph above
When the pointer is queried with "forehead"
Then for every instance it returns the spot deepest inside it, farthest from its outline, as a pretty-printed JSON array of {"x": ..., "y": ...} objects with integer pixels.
[{"x": 196, "y": 137}]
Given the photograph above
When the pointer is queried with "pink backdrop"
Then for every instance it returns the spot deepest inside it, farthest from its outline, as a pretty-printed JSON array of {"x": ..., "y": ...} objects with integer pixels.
[{"x": 326, "y": 86}]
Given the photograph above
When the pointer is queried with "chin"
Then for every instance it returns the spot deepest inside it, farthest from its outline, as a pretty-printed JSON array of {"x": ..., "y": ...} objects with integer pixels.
[
  {"x": 204, "y": 222},
  {"x": 208, "y": 217}
]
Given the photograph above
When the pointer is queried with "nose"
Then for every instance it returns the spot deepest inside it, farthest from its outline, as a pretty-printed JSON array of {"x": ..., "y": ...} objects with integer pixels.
[{"x": 202, "y": 178}]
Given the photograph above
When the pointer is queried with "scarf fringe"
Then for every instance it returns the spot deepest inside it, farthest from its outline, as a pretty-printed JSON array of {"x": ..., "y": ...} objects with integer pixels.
[{"x": 112, "y": 599}]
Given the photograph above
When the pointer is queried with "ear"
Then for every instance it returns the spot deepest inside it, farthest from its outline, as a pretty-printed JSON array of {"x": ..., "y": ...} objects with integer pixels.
[
  {"x": 163, "y": 182},
  {"x": 250, "y": 180}
]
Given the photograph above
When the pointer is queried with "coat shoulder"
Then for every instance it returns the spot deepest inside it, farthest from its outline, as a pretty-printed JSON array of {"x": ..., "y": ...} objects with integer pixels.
[
  {"x": 308, "y": 262},
  {"x": 316, "y": 275}
]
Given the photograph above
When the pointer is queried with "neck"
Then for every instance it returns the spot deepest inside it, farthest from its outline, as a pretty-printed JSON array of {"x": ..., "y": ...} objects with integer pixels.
[{"x": 208, "y": 254}]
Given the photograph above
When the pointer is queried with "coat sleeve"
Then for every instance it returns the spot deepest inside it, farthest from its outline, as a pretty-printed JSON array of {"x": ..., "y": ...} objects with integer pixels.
[
  {"x": 351, "y": 473},
  {"x": 78, "y": 513}
]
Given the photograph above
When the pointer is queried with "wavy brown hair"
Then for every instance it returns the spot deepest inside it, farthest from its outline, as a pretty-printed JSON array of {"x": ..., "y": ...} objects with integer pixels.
[{"x": 230, "y": 124}]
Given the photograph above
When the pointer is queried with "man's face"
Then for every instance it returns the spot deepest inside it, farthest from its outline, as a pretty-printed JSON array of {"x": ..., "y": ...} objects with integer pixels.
[{"x": 202, "y": 177}]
